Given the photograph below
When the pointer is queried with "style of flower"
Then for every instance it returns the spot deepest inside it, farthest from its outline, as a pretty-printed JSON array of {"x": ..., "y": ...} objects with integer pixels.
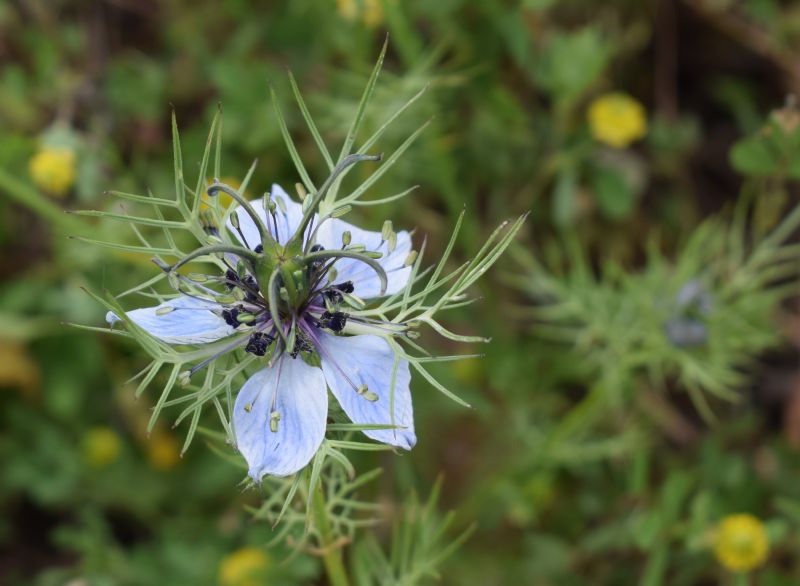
[
  {"x": 53, "y": 170},
  {"x": 617, "y": 120},
  {"x": 283, "y": 297},
  {"x": 740, "y": 543},
  {"x": 223, "y": 199}
]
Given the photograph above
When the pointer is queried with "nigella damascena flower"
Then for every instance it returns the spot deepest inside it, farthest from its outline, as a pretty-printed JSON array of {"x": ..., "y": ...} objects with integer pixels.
[
  {"x": 284, "y": 298},
  {"x": 687, "y": 327}
]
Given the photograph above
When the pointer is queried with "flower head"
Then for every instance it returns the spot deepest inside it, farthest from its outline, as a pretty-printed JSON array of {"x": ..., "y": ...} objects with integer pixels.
[
  {"x": 244, "y": 567},
  {"x": 617, "y": 120},
  {"x": 687, "y": 328},
  {"x": 289, "y": 295},
  {"x": 299, "y": 303},
  {"x": 740, "y": 543},
  {"x": 53, "y": 170}
]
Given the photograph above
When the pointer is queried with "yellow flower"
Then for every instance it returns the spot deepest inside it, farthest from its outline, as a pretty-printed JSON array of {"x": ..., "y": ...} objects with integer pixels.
[
  {"x": 53, "y": 170},
  {"x": 18, "y": 370},
  {"x": 370, "y": 11},
  {"x": 101, "y": 446},
  {"x": 245, "y": 567},
  {"x": 740, "y": 543},
  {"x": 224, "y": 199},
  {"x": 617, "y": 120},
  {"x": 163, "y": 451}
]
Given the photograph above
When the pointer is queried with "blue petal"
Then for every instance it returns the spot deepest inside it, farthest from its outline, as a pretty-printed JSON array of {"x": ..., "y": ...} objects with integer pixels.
[
  {"x": 366, "y": 282},
  {"x": 368, "y": 360},
  {"x": 191, "y": 321},
  {"x": 287, "y": 222},
  {"x": 302, "y": 404}
]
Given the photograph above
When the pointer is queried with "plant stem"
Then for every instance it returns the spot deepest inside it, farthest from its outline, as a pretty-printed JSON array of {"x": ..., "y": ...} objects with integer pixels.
[
  {"x": 332, "y": 556},
  {"x": 31, "y": 198}
]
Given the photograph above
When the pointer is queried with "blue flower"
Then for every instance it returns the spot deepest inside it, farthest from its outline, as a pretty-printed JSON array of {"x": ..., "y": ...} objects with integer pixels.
[
  {"x": 280, "y": 413},
  {"x": 687, "y": 327}
]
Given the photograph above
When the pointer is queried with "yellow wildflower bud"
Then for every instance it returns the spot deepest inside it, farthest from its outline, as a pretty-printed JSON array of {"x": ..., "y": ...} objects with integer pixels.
[
  {"x": 245, "y": 567},
  {"x": 370, "y": 12},
  {"x": 53, "y": 170},
  {"x": 740, "y": 543},
  {"x": 163, "y": 451},
  {"x": 101, "y": 446},
  {"x": 617, "y": 120}
]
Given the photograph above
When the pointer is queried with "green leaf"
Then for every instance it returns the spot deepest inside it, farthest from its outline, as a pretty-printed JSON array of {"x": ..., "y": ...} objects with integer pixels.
[
  {"x": 571, "y": 62},
  {"x": 613, "y": 194},
  {"x": 773, "y": 152}
]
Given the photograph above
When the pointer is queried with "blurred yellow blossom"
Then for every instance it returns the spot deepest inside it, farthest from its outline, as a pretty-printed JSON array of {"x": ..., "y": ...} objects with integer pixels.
[
  {"x": 163, "y": 450},
  {"x": 53, "y": 170},
  {"x": 370, "y": 12},
  {"x": 740, "y": 543},
  {"x": 101, "y": 446},
  {"x": 617, "y": 120},
  {"x": 245, "y": 567},
  {"x": 17, "y": 369}
]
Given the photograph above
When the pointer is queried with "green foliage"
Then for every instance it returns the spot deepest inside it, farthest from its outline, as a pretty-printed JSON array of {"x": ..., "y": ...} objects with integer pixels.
[
  {"x": 596, "y": 451},
  {"x": 625, "y": 325}
]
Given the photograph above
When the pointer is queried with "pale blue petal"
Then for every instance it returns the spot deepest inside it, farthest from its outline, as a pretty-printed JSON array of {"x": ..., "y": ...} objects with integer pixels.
[
  {"x": 348, "y": 363},
  {"x": 366, "y": 281},
  {"x": 191, "y": 321},
  {"x": 287, "y": 222},
  {"x": 301, "y": 402}
]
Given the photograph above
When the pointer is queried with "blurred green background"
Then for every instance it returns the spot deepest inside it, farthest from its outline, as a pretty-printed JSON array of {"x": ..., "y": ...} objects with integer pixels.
[{"x": 642, "y": 383}]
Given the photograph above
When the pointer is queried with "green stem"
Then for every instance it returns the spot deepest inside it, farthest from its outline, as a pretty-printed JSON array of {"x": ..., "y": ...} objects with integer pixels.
[
  {"x": 31, "y": 198},
  {"x": 332, "y": 556}
]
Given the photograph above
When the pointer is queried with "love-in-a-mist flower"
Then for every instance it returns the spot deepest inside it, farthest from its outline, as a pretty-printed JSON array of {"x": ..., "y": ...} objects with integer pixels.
[
  {"x": 687, "y": 328},
  {"x": 282, "y": 298},
  {"x": 299, "y": 303}
]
